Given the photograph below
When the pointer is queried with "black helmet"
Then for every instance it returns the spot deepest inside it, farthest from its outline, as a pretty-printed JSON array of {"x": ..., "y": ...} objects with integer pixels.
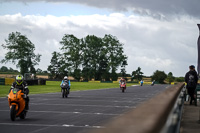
[{"x": 192, "y": 67}]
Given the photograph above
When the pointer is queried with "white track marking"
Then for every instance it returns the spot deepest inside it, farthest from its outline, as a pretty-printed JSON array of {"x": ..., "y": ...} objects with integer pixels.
[
  {"x": 107, "y": 106},
  {"x": 48, "y": 125},
  {"x": 61, "y": 112}
]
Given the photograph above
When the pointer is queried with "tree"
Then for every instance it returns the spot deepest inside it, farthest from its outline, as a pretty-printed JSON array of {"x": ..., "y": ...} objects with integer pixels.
[
  {"x": 21, "y": 49},
  {"x": 180, "y": 79},
  {"x": 103, "y": 69},
  {"x": 4, "y": 69},
  {"x": 159, "y": 76},
  {"x": 39, "y": 71},
  {"x": 123, "y": 70},
  {"x": 57, "y": 68},
  {"x": 91, "y": 56},
  {"x": 72, "y": 50},
  {"x": 114, "y": 53},
  {"x": 170, "y": 77},
  {"x": 137, "y": 74}
]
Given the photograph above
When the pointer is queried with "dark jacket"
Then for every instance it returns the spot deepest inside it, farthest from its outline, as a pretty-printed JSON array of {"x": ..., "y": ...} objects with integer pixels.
[
  {"x": 23, "y": 87},
  {"x": 194, "y": 73}
]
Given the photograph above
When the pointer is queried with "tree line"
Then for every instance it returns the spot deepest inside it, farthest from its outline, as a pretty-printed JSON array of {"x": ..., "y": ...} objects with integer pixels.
[
  {"x": 158, "y": 76},
  {"x": 6, "y": 69},
  {"x": 88, "y": 58}
]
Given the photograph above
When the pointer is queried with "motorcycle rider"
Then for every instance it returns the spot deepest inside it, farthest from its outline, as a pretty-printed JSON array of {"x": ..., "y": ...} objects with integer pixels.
[
  {"x": 65, "y": 79},
  {"x": 153, "y": 82},
  {"x": 141, "y": 83},
  {"x": 22, "y": 85},
  {"x": 122, "y": 80}
]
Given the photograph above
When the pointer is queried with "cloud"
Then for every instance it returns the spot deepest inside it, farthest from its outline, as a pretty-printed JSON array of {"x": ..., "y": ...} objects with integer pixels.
[
  {"x": 160, "y": 9},
  {"x": 149, "y": 43}
]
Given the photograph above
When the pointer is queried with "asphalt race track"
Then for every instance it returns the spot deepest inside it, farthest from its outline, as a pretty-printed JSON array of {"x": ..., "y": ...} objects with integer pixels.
[{"x": 81, "y": 112}]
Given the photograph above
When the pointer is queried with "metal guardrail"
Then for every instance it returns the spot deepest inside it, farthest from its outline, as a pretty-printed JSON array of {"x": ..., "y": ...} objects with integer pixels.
[
  {"x": 174, "y": 119},
  {"x": 161, "y": 114}
]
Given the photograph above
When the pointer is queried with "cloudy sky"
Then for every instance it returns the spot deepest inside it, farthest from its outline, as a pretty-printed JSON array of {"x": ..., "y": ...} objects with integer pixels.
[{"x": 157, "y": 35}]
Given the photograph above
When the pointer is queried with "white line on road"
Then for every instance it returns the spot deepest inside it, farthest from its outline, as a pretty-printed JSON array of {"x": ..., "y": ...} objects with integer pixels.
[
  {"x": 46, "y": 125},
  {"x": 61, "y": 112},
  {"x": 108, "y": 106}
]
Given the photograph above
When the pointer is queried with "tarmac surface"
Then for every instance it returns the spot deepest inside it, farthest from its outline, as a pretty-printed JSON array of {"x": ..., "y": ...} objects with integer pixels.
[
  {"x": 81, "y": 112},
  {"x": 190, "y": 122}
]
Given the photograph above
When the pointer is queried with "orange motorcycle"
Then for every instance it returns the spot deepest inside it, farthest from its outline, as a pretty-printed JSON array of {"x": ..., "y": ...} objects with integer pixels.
[{"x": 17, "y": 104}]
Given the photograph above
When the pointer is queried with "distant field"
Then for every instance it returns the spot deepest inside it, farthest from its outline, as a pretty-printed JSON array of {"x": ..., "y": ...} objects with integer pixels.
[
  {"x": 13, "y": 75},
  {"x": 54, "y": 86}
]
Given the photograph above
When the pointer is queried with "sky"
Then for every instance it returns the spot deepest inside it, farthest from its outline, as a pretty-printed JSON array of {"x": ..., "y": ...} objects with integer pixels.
[{"x": 157, "y": 34}]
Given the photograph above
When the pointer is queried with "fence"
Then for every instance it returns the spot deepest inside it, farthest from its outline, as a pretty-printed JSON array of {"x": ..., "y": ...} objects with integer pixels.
[
  {"x": 2, "y": 81},
  {"x": 9, "y": 81},
  {"x": 6, "y": 81}
]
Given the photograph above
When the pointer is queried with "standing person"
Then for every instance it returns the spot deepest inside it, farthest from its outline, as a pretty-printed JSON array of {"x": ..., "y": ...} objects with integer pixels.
[
  {"x": 191, "y": 79},
  {"x": 22, "y": 85}
]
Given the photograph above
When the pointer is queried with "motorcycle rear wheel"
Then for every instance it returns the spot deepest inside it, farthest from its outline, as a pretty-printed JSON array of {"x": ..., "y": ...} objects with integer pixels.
[
  {"x": 23, "y": 115},
  {"x": 67, "y": 93}
]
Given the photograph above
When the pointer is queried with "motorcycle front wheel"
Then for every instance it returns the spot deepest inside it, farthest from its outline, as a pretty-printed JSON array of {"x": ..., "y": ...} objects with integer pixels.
[
  {"x": 123, "y": 89},
  {"x": 13, "y": 113},
  {"x": 63, "y": 93}
]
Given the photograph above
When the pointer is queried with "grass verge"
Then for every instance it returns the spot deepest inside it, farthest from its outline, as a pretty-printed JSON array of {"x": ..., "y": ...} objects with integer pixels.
[{"x": 54, "y": 86}]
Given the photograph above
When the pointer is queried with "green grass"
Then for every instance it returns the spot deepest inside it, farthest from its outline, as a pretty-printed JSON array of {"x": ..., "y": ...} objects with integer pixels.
[{"x": 54, "y": 86}]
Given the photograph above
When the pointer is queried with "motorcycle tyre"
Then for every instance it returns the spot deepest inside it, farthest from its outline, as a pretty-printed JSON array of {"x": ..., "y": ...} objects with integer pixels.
[
  {"x": 23, "y": 115},
  {"x": 123, "y": 89},
  {"x": 63, "y": 93},
  {"x": 67, "y": 93},
  {"x": 13, "y": 113}
]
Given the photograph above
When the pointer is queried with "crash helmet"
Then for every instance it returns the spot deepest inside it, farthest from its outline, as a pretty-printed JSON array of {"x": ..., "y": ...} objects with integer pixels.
[
  {"x": 191, "y": 66},
  {"x": 19, "y": 79},
  {"x": 65, "y": 78}
]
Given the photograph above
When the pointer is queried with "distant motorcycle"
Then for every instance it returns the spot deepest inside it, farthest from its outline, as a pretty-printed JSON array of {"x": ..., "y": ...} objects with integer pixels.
[
  {"x": 141, "y": 83},
  {"x": 17, "y": 104},
  {"x": 153, "y": 82},
  {"x": 64, "y": 89},
  {"x": 123, "y": 86}
]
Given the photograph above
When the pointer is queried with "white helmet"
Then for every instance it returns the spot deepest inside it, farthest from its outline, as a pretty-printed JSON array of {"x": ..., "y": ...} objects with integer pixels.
[{"x": 65, "y": 78}]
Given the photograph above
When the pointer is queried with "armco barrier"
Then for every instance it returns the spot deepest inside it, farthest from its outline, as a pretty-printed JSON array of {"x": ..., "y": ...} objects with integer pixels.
[
  {"x": 32, "y": 82},
  {"x": 41, "y": 82},
  {"x": 106, "y": 81},
  {"x": 149, "y": 117},
  {"x": 9, "y": 81},
  {"x": 2, "y": 81},
  {"x": 94, "y": 81}
]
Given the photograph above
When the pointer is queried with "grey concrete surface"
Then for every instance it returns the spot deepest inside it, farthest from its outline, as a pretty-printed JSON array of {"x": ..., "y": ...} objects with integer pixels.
[
  {"x": 81, "y": 112},
  {"x": 190, "y": 122}
]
